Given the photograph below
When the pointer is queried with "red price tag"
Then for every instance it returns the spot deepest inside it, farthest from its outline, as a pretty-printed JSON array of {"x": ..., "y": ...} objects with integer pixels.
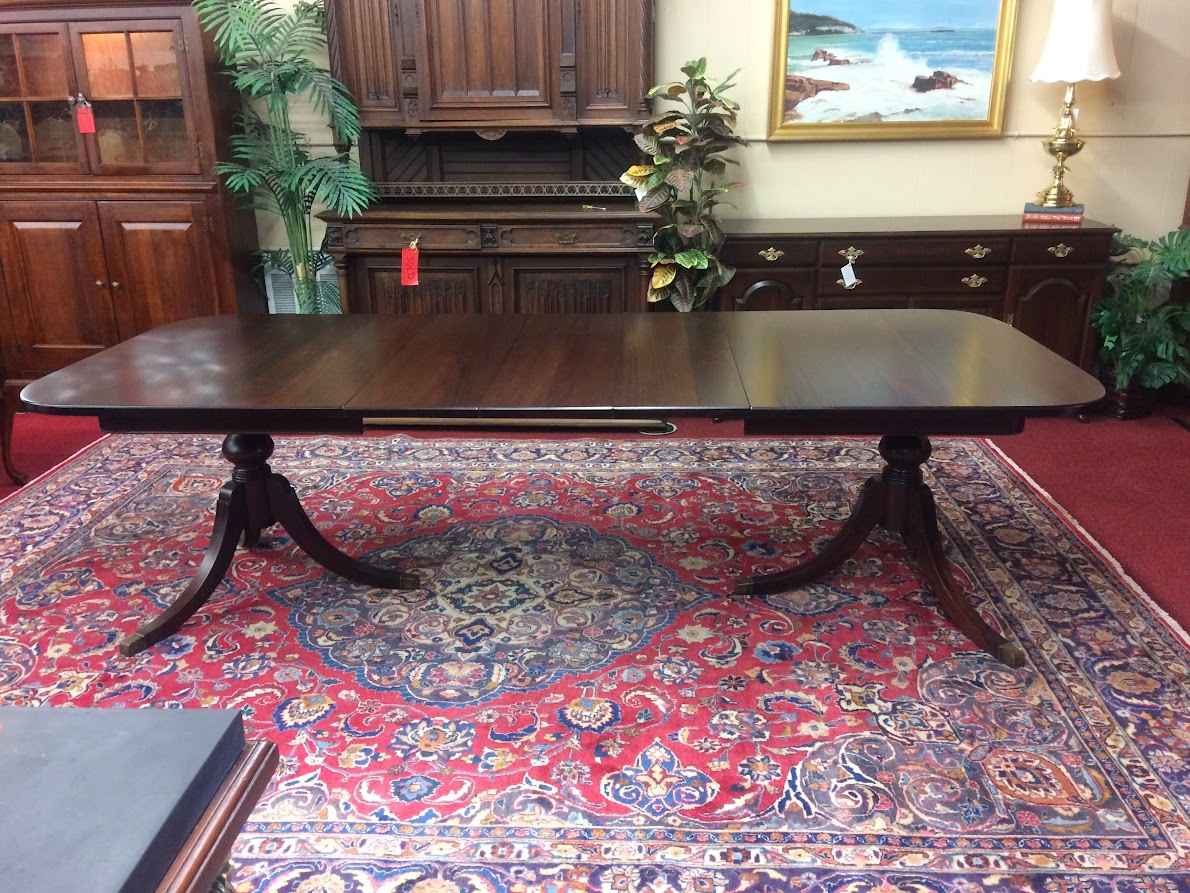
[
  {"x": 86, "y": 119},
  {"x": 409, "y": 266}
]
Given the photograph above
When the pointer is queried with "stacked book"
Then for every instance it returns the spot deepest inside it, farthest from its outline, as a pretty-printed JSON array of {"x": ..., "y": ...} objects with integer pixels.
[{"x": 1041, "y": 217}]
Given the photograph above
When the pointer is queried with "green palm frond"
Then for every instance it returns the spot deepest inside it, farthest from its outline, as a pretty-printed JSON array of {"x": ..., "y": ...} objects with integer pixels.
[
  {"x": 341, "y": 187},
  {"x": 270, "y": 52}
]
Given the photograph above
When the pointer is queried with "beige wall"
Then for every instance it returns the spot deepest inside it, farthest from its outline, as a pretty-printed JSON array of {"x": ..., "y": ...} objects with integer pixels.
[{"x": 1133, "y": 172}]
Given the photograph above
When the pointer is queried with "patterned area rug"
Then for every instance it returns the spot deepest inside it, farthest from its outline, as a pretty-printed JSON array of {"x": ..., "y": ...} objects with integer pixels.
[{"x": 572, "y": 703}]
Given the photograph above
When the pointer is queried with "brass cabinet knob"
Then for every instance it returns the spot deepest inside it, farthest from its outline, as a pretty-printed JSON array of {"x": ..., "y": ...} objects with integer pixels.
[
  {"x": 974, "y": 281},
  {"x": 99, "y": 283},
  {"x": 1059, "y": 250},
  {"x": 978, "y": 251},
  {"x": 771, "y": 254},
  {"x": 116, "y": 286},
  {"x": 851, "y": 286},
  {"x": 851, "y": 253}
]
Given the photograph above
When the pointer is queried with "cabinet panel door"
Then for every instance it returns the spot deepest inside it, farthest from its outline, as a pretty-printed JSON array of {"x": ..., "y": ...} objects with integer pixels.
[
  {"x": 569, "y": 285},
  {"x": 614, "y": 59},
  {"x": 445, "y": 285},
  {"x": 487, "y": 63},
  {"x": 1053, "y": 305},
  {"x": 768, "y": 289},
  {"x": 134, "y": 74},
  {"x": 59, "y": 303},
  {"x": 38, "y": 133},
  {"x": 365, "y": 45},
  {"x": 161, "y": 264}
]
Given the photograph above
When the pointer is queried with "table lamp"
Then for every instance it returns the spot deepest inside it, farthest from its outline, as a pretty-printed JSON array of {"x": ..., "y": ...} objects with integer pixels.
[{"x": 1077, "y": 48}]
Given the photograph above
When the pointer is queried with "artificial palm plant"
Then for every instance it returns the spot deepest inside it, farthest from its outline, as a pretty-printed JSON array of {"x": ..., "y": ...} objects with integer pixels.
[
  {"x": 1143, "y": 336},
  {"x": 682, "y": 183},
  {"x": 270, "y": 53}
]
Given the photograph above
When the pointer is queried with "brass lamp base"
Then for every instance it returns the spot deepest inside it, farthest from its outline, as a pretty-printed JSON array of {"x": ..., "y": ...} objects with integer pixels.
[{"x": 1062, "y": 145}]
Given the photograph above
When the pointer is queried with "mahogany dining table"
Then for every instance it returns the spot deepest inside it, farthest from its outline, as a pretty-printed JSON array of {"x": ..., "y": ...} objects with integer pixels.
[{"x": 903, "y": 375}]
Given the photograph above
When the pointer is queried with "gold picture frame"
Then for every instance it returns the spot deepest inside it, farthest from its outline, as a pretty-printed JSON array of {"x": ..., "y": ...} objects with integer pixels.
[{"x": 898, "y": 54}]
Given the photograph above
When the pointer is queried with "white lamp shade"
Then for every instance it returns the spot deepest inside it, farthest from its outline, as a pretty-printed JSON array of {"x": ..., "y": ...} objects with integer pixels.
[{"x": 1079, "y": 45}]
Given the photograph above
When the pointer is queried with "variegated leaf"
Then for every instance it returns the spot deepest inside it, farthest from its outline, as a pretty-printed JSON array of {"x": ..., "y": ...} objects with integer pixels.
[
  {"x": 663, "y": 275},
  {"x": 655, "y": 198}
]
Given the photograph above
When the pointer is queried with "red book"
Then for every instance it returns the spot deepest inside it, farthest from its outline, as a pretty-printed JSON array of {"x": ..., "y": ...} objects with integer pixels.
[{"x": 1061, "y": 219}]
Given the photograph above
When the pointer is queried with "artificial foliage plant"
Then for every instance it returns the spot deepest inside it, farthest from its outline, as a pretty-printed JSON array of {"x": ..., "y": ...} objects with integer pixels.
[
  {"x": 1144, "y": 336},
  {"x": 682, "y": 183},
  {"x": 270, "y": 53}
]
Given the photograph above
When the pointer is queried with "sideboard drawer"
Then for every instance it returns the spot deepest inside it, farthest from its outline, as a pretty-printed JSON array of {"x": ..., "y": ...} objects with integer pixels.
[
  {"x": 569, "y": 237},
  {"x": 916, "y": 251},
  {"x": 368, "y": 237},
  {"x": 741, "y": 252},
  {"x": 1061, "y": 248},
  {"x": 914, "y": 281}
]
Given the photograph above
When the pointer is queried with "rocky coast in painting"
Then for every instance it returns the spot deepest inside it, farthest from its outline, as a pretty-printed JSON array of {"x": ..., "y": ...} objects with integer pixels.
[{"x": 890, "y": 61}]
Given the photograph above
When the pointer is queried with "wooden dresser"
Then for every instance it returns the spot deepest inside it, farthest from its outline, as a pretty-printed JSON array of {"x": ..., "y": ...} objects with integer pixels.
[{"x": 1043, "y": 281}]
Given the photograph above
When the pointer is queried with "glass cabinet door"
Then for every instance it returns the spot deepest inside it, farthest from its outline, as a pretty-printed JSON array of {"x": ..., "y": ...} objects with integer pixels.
[
  {"x": 37, "y": 126},
  {"x": 133, "y": 75}
]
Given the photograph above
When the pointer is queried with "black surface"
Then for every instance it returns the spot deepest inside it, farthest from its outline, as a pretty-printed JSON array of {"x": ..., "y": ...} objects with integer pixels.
[{"x": 101, "y": 800}]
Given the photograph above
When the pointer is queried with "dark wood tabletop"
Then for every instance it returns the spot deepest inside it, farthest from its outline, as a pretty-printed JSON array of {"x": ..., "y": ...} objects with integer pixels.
[
  {"x": 830, "y": 371},
  {"x": 902, "y": 374}
]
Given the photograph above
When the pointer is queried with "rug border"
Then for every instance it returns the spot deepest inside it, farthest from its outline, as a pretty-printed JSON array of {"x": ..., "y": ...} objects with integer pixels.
[
  {"x": 85, "y": 448},
  {"x": 1180, "y": 633}
]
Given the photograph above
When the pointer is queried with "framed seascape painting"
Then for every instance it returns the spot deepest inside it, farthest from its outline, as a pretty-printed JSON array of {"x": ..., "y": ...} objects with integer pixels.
[{"x": 890, "y": 69}]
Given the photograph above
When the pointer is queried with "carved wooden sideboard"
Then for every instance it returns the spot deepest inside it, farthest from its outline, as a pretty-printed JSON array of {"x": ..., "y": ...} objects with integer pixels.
[
  {"x": 544, "y": 64},
  {"x": 1043, "y": 281},
  {"x": 494, "y": 257}
]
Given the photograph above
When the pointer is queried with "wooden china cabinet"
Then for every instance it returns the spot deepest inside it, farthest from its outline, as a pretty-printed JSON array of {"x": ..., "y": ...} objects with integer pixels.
[
  {"x": 112, "y": 219},
  {"x": 496, "y": 133}
]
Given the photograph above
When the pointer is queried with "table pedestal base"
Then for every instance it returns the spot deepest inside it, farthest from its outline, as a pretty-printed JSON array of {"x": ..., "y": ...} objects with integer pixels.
[
  {"x": 899, "y": 500},
  {"x": 255, "y": 498}
]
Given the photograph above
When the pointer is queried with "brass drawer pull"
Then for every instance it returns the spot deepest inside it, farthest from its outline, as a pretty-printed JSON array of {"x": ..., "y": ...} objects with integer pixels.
[
  {"x": 410, "y": 239},
  {"x": 852, "y": 254},
  {"x": 978, "y": 251},
  {"x": 771, "y": 254},
  {"x": 852, "y": 285},
  {"x": 565, "y": 238},
  {"x": 974, "y": 281},
  {"x": 1059, "y": 250}
]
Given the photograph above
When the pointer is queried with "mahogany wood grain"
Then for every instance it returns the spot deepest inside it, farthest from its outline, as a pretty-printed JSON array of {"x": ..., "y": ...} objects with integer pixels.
[
  {"x": 896, "y": 372},
  {"x": 204, "y": 853},
  {"x": 624, "y": 364},
  {"x": 445, "y": 367}
]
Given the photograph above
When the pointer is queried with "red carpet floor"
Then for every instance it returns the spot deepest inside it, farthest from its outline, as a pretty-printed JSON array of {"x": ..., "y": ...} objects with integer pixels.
[{"x": 1127, "y": 484}]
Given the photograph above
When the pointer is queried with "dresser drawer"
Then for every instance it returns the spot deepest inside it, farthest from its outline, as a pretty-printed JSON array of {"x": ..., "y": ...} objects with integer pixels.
[
  {"x": 565, "y": 237},
  {"x": 434, "y": 237},
  {"x": 909, "y": 252},
  {"x": 740, "y": 251},
  {"x": 914, "y": 281},
  {"x": 1061, "y": 248}
]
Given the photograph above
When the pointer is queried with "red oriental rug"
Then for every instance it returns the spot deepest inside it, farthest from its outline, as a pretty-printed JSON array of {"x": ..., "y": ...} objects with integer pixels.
[{"x": 572, "y": 703}]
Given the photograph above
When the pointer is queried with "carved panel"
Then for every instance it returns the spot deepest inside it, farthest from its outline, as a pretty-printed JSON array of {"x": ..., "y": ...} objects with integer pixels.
[
  {"x": 568, "y": 286},
  {"x": 487, "y": 62},
  {"x": 364, "y": 42},
  {"x": 614, "y": 75},
  {"x": 468, "y": 159},
  {"x": 446, "y": 285}
]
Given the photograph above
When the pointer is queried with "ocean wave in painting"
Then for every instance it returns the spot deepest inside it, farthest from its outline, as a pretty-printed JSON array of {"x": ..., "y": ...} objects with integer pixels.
[{"x": 882, "y": 70}]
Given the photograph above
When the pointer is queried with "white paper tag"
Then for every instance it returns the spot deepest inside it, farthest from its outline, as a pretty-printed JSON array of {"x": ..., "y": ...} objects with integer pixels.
[{"x": 848, "y": 274}]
